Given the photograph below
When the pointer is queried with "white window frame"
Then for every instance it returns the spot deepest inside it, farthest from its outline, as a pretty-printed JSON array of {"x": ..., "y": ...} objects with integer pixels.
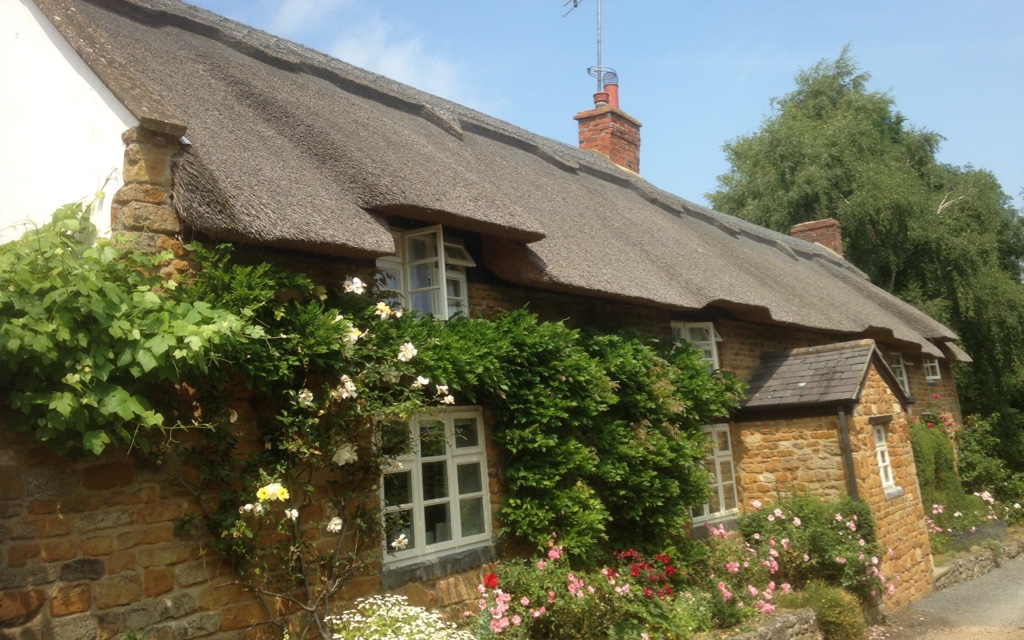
[
  {"x": 708, "y": 344},
  {"x": 899, "y": 369},
  {"x": 879, "y": 433},
  {"x": 422, "y": 545},
  {"x": 446, "y": 299},
  {"x": 932, "y": 370},
  {"x": 722, "y": 491}
]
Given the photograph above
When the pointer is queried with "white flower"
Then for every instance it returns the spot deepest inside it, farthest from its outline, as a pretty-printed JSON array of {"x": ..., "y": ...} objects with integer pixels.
[
  {"x": 306, "y": 396},
  {"x": 244, "y": 508},
  {"x": 353, "y": 334},
  {"x": 258, "y": 507},
  {"x": 345, "y": 454},
  {"x": 291, "y": 513},
  {"x": 406, "y": 352},
  {"x": 1016, "y": 505},
  {"x": 355, "y": 285},
  {"x": 442, "y": 389},
  {"x": 334, "y": 526},
  {"x": 338, "y": 318},
  {"x": 400, "y": 542},
  {"x": 398, "y": 312},
  {"x": 448, "y": 400},
  {"x": 232, "y": 416},
  {"x": 420, "y": 382},
  {"x": 383, "y": 310},
  {"x": 346, "y": 388}
]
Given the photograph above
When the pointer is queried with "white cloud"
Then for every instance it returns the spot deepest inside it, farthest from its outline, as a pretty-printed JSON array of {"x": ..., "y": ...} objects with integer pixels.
[
  {"x": 375, "y": 46},
  {"x": 289, "y": 18}
]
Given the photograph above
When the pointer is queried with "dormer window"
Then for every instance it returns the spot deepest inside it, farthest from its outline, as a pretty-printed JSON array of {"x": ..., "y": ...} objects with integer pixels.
[
  {"x": 932, "y": 372},
  {"x": 428, "y": 272},
  {"x": 703, "y": 337}
]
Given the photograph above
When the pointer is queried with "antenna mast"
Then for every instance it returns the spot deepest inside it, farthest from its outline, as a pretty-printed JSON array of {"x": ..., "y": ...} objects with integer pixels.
[{"x": 605, "y": 75}]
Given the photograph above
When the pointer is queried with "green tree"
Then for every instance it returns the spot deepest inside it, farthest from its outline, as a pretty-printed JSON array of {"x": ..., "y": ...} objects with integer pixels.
[{"x": 942, "y": 237}]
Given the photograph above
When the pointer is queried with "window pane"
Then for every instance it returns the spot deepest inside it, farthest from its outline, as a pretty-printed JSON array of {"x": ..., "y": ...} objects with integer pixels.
[
  {"x": 469, "y": 478},
  {"x": 699, "y": 334},
  {"x": 730, "y": 496},
  {"x": 723, "y": 440},
  {"x": 397, "y": 524},
  {"x": 471, "y": 512},
  {"x": 422, "y": 302},
  {"x": 466, "y": 433},
  {"x": 714, "y": 502},
  {"x": 435, "y": 480},
  {"x": 437, "y": 518},
  {"x": 398, "y": 489},
  {"x": 432, "y": 442},
  {"x": 422, "y": 247},
  {"x": 421, "y": 276}
]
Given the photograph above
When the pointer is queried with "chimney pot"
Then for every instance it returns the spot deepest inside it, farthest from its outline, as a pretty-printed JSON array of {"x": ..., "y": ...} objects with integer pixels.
[
  {"x": 828, "y": 233},
  {"x": 601, "y": 99}
]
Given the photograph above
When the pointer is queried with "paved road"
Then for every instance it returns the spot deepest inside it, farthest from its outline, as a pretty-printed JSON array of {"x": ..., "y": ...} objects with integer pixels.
[{"x": 990, "y": 608}]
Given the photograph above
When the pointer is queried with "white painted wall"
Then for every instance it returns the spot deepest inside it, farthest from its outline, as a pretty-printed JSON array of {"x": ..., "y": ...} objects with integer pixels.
[{"x": 60, "y": 128}]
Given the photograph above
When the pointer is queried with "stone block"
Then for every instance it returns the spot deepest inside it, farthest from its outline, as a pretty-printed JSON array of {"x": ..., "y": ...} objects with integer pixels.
[
  {"x": 175, "y": 606},
  {"x": 58, "y": 550},
  {"x": 108, "y": 475},
  {"x": 68, "y": 599},
  {"x": 193, "y": 573},
  {"x": 79, "y": 627},
  {"x": 116, "y": 590},
  {"x": 141, "y": 192},
  {"x": 121, "y": 562},
  {"x": 157, "y": 581},
  {"x": 10, "y": 485},
  {"x": 83, "y": 569},
  {"x": 99, "y": 520},
  {"x": 241, "y": 616},
  {"x": 98, "y": 546},
  {"x": 152, "y": 534},
  {"x": 164, "y": 555},
  {"x": 143, "y": 216},
  {"x": 19, "y": 554},
  {"x": 20, "y": 607}
]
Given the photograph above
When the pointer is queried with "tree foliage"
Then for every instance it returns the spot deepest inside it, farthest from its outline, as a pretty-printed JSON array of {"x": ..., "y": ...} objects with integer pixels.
[{"x": 942, "y": 237}]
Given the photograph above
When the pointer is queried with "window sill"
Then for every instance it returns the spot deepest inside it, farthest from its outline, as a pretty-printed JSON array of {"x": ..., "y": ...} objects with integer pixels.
[
  {"x": 893, "y": 492},
  {"x": 454, "y": 562}
]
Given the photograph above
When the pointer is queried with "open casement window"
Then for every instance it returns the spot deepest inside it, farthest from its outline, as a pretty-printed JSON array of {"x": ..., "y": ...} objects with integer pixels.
[
  {"x": 932, "y": 372},
  {"x": 722, "y": 500},
  {"x": 703, "y": 336},
  {"x": 428, "y": 273},
  {"x": 899, "y": 369},
  {"x": 882, "y": 454},
  {"x": 437, "y": 496}
]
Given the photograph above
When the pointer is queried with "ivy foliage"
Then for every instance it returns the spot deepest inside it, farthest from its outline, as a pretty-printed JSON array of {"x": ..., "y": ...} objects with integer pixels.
[
  {"x": 599, "y": 433},
  {"x": 88, "y": 334}
]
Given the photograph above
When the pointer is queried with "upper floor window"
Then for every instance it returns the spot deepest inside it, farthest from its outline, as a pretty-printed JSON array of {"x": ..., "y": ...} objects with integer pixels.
[
  {"x": 899, "y": 369},
  {"x": 428, "y": 272},
  {"x": 722, "y": 499},
  {"x": 436, "y": 498},
  {"x": 703, "y": 336},
  {"x": 882, "y": 455},
  {"x": 932, "y": 372}
]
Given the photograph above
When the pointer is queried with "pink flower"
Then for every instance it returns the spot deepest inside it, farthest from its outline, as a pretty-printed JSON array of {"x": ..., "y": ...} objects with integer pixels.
[
  {"x": 771, "y": 517},
  {"x": 551, "y": 597},
  {"x": 524, "y": 601},
  {"x": 778, "y": 513},
  {"x": 495, "y": 625},
  {"x": 541, "y": 564},
  {"x": 841, "y": 560},
  {"x": 786, "y": 587},
  {"x": 516, "y": 620},
  {"x": 752, "y": 590},
  {"x": 732, "y": 567},
  {"x": 797, "y": 522},
  {"x": 861, "y": 542},
  {"x": 891, "y": 589},
  {"x": 756, "y": 504},
  {"x": 937, "y": 396},
  {"x": 839, "y": 517},
  {"x": 722, "y": 589}
]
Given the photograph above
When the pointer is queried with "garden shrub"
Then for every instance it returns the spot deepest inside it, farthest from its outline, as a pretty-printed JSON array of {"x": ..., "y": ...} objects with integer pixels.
[
  {"x": 936, "y": 467},
  {"x": 547, "y": 598},
  {"x": 837, "y": 610},
  {"x": 391, "y": 617},
  {"x": 811, "y": 539}
]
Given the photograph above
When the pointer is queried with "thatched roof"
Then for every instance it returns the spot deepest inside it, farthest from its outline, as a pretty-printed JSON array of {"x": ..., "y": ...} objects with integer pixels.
[
  {"x": 816, "y": 376},
  {"x": 290, "y": 148}
]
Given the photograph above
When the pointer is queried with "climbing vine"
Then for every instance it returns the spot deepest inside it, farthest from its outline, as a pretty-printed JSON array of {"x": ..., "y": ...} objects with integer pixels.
[{"x": 279, "y": 402}]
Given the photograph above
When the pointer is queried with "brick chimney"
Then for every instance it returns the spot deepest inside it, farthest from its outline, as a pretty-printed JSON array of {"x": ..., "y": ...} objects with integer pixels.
[
  {"x": 610, "y": 132},
  {"x": 828, "y": 233}
]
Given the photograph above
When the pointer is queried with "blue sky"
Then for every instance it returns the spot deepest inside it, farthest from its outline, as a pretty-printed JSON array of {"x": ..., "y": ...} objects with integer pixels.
[{"x": 695, "y": 74}]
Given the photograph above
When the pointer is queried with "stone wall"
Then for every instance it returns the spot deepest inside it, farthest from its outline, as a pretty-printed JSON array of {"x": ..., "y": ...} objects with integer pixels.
[
  {"x": 899, "y": 515},
  {"x": 788, "y": 456},
  {"x": 88, "y": 549}
]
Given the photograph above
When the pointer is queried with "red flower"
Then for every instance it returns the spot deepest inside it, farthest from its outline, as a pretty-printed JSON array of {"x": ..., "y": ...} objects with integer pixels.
[{"x": 491, "y": 580}]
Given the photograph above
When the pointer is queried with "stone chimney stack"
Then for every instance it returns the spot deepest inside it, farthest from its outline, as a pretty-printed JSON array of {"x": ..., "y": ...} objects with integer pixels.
[
  {"x": 827, "y": 233},
  {"x": 610, "y": 132}
]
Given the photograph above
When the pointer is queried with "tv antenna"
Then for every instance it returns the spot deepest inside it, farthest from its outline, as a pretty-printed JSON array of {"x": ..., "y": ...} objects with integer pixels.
[{"x": 605, "y": 75}]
